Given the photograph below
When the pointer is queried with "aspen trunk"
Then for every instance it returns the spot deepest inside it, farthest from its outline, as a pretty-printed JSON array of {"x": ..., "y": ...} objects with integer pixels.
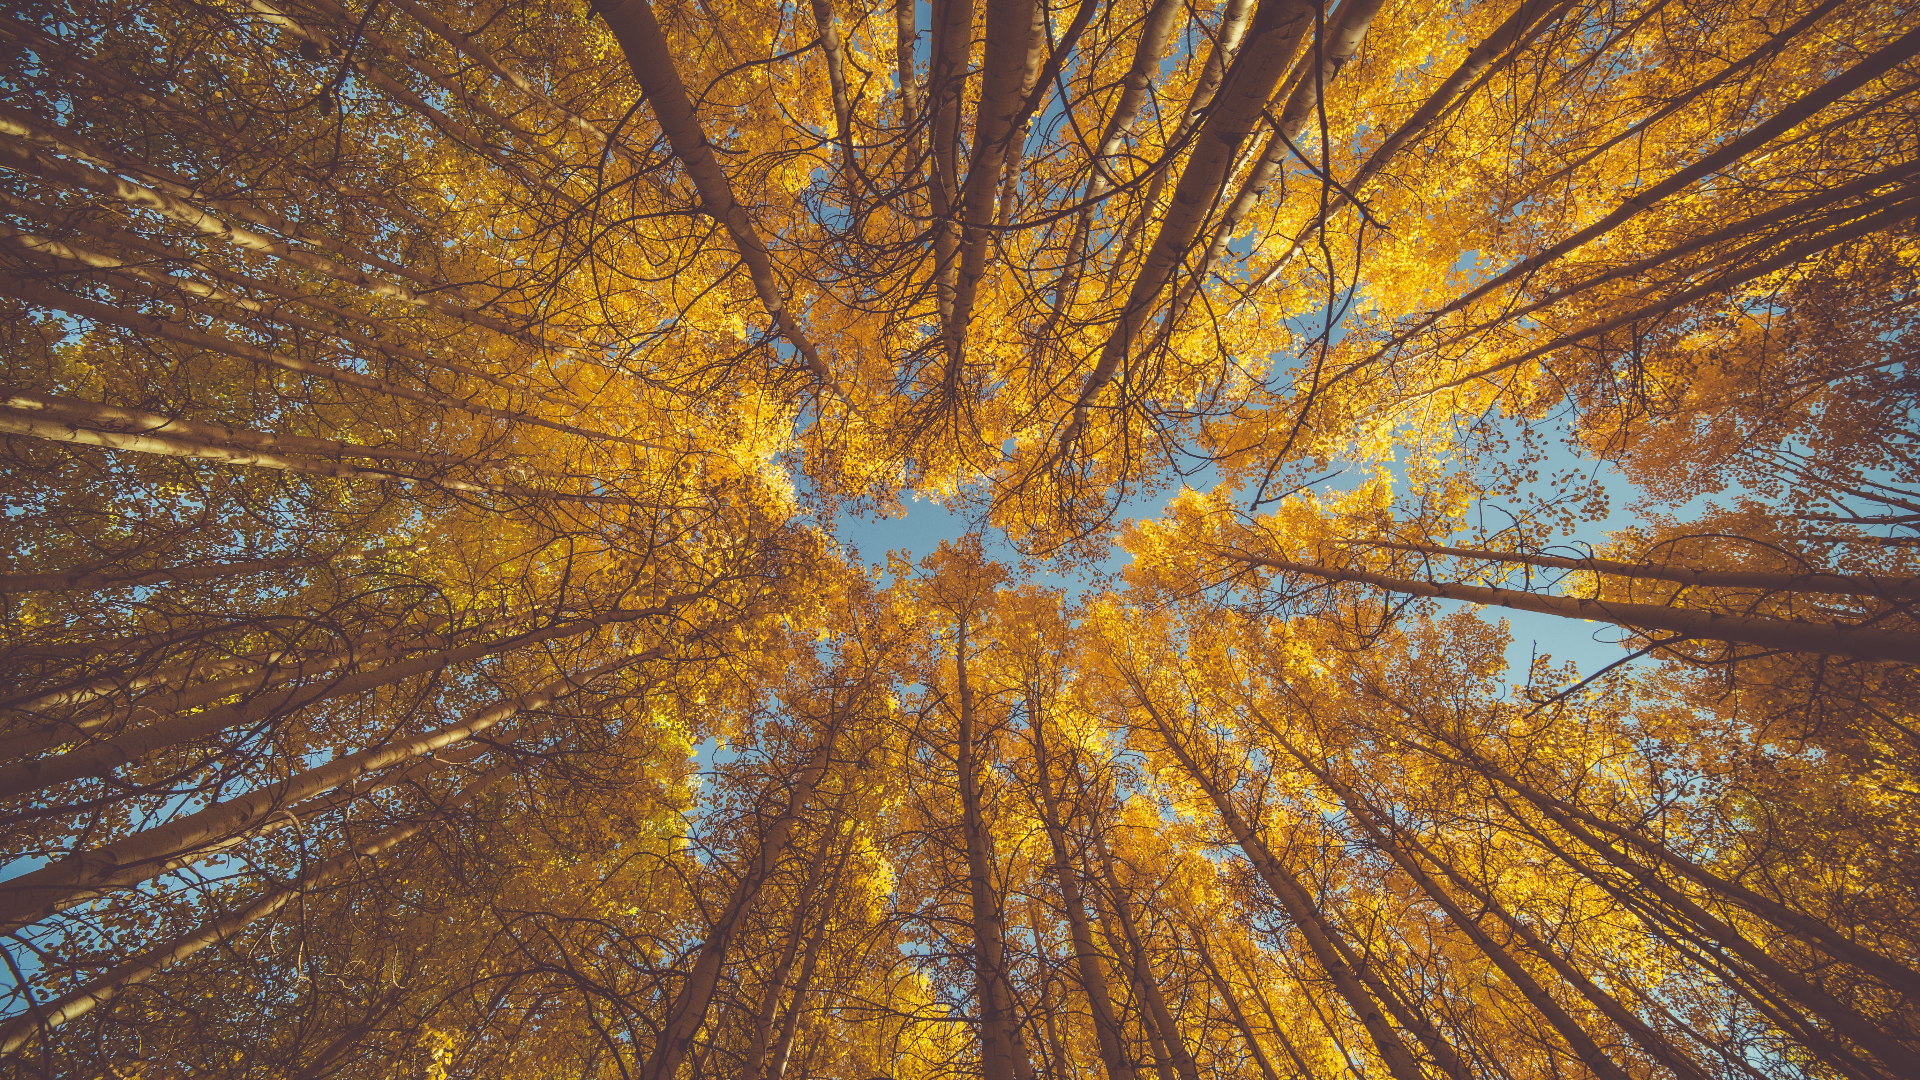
[
  {"x": 1497, "y": 44},
  {"x": 85, "y": 875},
  {"x": 1232, "y": 1001},
  {"x": 1341, "y": 43},
  {"x": 1898, "y": 211},
  {"x": 760, "y": 1030},
  {"x": 1584, "y": 825},
  {"x": 1861, "y": 643},
  {"x": 1809, "y": 582},
  {"x": 1272, "y": 40},
  {"x": 1010, "y": 31},
  {"x": 997, "y": 1045},
  {"x": 783, "y": 1049},
  {"x": 95, "y": 579},
  {"x": 946, "y": 86},
  {"x": 831, "y": 48},
  {"x": 1226, "y": 46},
  {"x": 172, "y": 198},
  {"x": 1384, "y": 835},
  {"x": 634, "y": 26},
  {"x": 23, "y": 148},
  {"x": 688, "y": 1012},
  {"x": 1147, "y": 55},
  {"x": 1273, "y": 1022},
  {"x": 21, "y": 1029},
  {"x": 1722, "y": 157},
  {"x": 1300, "y": 908},
  {"x": 1662, "y": 1049},
  {"x": 228, "y": 307},
  {"x": 1093, "y": 981},
  {"x": 88, "y": 424},
  {"x": 100, "y": 758},
  {"x": 275, "y": 669},
  {"x": 1183, "y": 1064},
  {"x": 486, "y": 59},
  {"x": 162, "y": 328}
]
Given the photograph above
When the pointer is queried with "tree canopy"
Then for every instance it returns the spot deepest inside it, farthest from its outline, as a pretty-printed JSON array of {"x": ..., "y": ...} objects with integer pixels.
[{"x": 440, "y": 642}]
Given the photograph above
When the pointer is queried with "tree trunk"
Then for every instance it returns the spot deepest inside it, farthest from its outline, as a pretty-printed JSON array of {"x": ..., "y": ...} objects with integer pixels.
[
  {"x": 21, "y": 1029},
  {"x": 1273, "y": 38},
  {"x": 1300, "y": 908},
  {"x": 1232, "y": 1001},
  {"x": 633, "y": 25},
  {"x": 989, "y": 950},
  {"x": 1093, "y": 981},
  {"x": 1183, "y": 1064},
  {"x": 88, "y": 874},
  {"x": 1838, "y": 639},
  {"x": 688, "y": 1012},
  {"x": 760, "y": 1030}
]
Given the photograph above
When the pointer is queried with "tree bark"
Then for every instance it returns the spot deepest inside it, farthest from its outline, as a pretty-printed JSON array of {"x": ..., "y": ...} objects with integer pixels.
[
  {"x": 1860, "y": 643},
  {"x": 89, "y": 874},
  {"x": 1809, "y": 582},
  {"x": 1299, "y": 906},
  {"x": 95, "y": 579},
  {"x": 100, "y": 758},
  {"x": 1273, "y": 38},
  {"x": 997, "y": 1041},
  {"x": 1093, "y": 981},
  {"x": 1232, "y": 1001},
  {"x": 1183, "y": 1064},
  {"x": 688, "y": 1012},
  {"x": 633, "y": 25},
  {"x": 19, "y": 1031}
]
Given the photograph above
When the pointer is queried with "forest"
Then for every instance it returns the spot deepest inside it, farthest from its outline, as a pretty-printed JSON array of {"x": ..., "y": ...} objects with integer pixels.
[{"x": 447, "y": 455}]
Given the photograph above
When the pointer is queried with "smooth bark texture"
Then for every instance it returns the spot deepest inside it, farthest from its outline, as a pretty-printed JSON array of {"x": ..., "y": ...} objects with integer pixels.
[
  {"x": 1299, "y": 905},
  {"x": 87, "y": 874},
  {"x": 96, "y": 759},
  {"x": 1087, "y": 960},
  {"x": 19, "y": 1031},
  {"x": 1163, "y": 1019},
  {"x": 998, "y": 1044},
  {"x": 688, "y": 1013},
  {"x": 1834, "y": 639},
  {"x": 634, "y": 26},
  {"x": 1808, "y": 582},
  {"x": 1274, "y": 36}
]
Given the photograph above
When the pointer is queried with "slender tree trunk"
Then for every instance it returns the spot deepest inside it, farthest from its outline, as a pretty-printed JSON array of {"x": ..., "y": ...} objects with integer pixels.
[
  {"x": 95, "y": 579},
  {"x": 1163, "y": 1020},
  {"x": 1273, "y": 38},
  {"x": 1384, "y": 833},
  {"x": 1809, "y": 582},
  {"x": 1320, "y": 935},
  {"x": 75, "y": 1004},
  {"x": 1010, "y": 31},
  {"x": 88, "y": 874},
  {"x": 946, "y": 88},
  {"x": 100, "y": 758},
  {"x": 1342, "y": 41},
  {"x": 275, "y": 669},
  {"x": 1715, "y": 161},
  {"x": 633, "y": 25},
  {"x": 997, "y": 1045},
  {"x": 760, "y": 1031},
  {"x": 783, "y": 1049},
  {"x": 1232, "y": 1001},
  {"x": 688, "y": 1012},
  {"x": 1837, "y": 639},
  {"x": 1093, "y": 981}
]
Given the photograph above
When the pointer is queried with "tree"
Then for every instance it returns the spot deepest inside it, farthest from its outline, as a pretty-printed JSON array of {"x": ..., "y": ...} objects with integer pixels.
[{"x": 439, "y": 644}]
